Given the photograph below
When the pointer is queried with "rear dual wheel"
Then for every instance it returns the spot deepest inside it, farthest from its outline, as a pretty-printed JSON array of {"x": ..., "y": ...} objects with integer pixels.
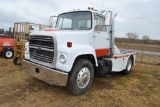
[{"x": 128, "y": 66}]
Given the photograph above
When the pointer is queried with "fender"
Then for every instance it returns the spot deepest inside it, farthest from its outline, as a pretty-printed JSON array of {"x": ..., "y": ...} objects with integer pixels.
[
  {"x": 71, "y": 55},
  {"x": 120, "y": 61}
]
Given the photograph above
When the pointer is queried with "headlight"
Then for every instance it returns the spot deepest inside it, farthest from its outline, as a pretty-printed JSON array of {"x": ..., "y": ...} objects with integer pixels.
[{"x": 63, "y": 58}]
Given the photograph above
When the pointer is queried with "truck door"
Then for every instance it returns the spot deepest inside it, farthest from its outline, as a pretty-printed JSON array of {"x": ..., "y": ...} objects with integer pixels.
[{"x": 101, "y": 37}]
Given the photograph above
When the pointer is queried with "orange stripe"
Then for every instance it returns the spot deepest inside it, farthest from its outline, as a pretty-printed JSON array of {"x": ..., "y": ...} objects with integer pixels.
[
  {"x": 115, "y": 57},
  {"x": 102, "y": 52}
]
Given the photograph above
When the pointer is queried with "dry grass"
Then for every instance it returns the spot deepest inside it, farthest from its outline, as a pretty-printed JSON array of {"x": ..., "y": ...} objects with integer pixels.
[
  {"x": 146, "y": 47},
  {"x": 141, "y": 88}
]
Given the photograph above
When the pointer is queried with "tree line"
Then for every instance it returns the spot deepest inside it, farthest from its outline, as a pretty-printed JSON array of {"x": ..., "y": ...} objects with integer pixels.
[{"x": 133, "y": 37}]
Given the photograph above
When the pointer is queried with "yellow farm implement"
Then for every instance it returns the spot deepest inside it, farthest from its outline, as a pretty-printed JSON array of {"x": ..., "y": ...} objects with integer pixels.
[{"x": 21, "y": 36}]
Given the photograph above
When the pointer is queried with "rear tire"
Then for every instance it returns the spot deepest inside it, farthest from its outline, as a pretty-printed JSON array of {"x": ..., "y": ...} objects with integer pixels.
[
  {"x": 8, "y": 53},
  {"x": 128, "y": 66},
  {"x": 81, "y": 77}
]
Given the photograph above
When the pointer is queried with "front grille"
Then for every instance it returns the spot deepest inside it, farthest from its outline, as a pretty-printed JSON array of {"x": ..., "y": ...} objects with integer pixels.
[{"x": 41, "y": 48}]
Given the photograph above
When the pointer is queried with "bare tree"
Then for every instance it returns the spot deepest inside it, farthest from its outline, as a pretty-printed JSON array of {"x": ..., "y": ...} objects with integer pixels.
[
  {"x": 132, "y": 36},
  {"x": 145, "y": 38}
]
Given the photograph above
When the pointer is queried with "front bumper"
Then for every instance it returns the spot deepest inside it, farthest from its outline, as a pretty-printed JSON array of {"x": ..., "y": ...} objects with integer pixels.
[{"x": 45, "y": 74}]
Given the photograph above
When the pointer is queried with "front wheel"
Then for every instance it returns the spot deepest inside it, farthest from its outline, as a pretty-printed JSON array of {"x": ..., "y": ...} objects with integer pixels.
[{"x": 81, "y": 77}]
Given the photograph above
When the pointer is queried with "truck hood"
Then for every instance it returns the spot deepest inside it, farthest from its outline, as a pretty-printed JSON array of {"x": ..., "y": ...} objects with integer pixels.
[{"x": 82, "y": 37}]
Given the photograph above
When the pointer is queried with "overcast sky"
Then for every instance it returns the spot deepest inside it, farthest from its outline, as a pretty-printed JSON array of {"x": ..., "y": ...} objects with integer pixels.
[{"x": 139, "y": 16}]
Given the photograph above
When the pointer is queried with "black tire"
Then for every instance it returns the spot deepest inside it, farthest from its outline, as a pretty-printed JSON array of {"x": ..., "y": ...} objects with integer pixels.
[
  {"x": 128, "y": 66},
  {"x": 80, "y": 71},
  {"x": 15, "y": 61},
  {"x": 8, "y": 53}
]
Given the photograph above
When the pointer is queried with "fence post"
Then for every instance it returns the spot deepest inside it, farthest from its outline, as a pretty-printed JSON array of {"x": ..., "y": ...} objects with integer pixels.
[{"x": 142, "y": 56}]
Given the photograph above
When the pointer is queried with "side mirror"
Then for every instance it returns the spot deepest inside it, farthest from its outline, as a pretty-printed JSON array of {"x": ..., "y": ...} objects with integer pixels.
[
  {"x": 108, "y": 18},
  {"x": 52, "y": 21}
]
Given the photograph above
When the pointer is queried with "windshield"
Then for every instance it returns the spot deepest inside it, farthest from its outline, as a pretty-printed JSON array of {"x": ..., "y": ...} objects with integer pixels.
[{"x": 75, "y": 20}]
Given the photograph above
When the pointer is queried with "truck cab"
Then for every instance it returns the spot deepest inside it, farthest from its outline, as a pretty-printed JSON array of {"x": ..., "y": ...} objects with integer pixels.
[{"x": 80, "y": 47}]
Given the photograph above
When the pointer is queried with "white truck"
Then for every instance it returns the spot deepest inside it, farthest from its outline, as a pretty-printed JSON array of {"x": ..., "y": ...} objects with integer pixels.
[{"x": 80, "y": 47}]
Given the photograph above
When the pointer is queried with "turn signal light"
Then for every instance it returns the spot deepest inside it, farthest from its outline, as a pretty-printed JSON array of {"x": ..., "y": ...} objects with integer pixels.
[{"x": 69, "y": 44}]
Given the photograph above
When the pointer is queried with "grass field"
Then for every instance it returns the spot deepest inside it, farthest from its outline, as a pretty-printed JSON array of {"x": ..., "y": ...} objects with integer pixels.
[
  {"x": 139, "y": 89},
  {"x": 146, "y": 47},
  {"x": 148, "y": 59}
]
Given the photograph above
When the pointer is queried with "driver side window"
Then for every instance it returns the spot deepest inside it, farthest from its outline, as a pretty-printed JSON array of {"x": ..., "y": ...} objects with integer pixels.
[{"x": 99, "y": 23}]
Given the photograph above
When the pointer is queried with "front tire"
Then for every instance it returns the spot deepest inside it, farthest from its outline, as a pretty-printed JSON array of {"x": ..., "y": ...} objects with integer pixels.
[
  {"x": 8, "y": 53},
  {"x": 81, "y": 77}
]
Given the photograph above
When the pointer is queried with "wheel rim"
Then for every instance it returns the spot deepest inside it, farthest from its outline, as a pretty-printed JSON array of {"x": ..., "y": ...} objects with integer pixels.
[
  {"x": 129, "y": 65},
  {"x": 83, "y": 77},
  {"x": 9, "y": 54}
]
